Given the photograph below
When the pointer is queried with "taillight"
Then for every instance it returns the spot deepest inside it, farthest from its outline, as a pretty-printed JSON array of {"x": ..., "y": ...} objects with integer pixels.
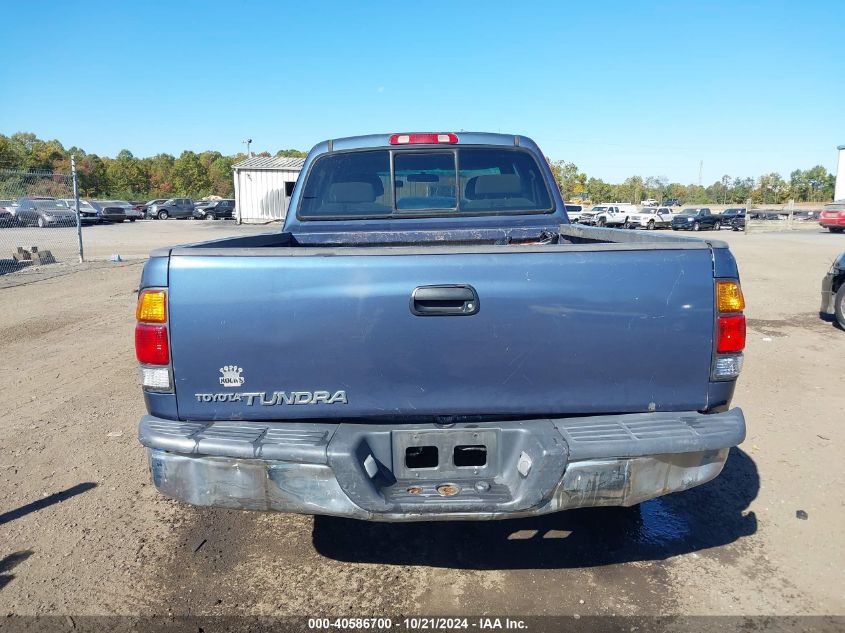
[
  {"x": 730, "y": 330},
  {"x": 730, "y": 336},
  {"x": 152, "y": 306},
  {"x": 729, "y": 297},
  {"x": 423, "y": 139},
  {"x": 151, "y": 346}
]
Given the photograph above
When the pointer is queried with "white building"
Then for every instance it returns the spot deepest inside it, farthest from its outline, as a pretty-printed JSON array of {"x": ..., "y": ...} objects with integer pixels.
[
  {"x": 839, "y": 191},
  {"x": 263, "y": 186}
]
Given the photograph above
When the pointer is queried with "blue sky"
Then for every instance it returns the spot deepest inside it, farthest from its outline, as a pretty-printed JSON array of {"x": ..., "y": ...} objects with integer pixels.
[{"x": 619, "y": 88}]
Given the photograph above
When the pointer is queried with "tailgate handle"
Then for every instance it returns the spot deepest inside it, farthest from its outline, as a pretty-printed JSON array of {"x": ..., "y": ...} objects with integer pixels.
[{"x": 447, "y": 300}]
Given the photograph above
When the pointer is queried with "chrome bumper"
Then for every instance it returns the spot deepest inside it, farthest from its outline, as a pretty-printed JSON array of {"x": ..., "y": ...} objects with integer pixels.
[{"x": 357, "y": 470}]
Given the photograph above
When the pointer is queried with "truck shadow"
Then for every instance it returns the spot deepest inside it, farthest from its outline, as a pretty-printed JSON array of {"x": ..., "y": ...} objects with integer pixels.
[{"x": 709, "y": 516}]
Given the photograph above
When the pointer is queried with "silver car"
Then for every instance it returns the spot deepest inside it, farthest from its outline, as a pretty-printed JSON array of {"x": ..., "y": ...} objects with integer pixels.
[{"x": 42, "y": 212}]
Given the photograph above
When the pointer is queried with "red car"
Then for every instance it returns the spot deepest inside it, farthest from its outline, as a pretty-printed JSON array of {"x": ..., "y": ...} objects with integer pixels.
[{"x": 833, "y": 217}]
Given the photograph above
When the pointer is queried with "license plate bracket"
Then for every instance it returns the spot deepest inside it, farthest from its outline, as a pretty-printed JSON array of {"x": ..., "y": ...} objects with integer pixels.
[{"x": 471, "y": 444}]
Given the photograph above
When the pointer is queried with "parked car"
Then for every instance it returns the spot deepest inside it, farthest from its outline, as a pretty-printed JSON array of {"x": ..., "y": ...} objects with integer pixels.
[
  {"x": 180, "y": 208},
  {"x": 109, "y": 213},
  {"x": 573, "y": 212},
  {"x": 671, "y": 202},
  {"x": 832, "y": 217},
  {"x": 650, "y": 218},
  {"x": 467, "y": 320},
  {"x": 130, "y": 211},
  {"x": 42, "y": 212},
  {"x": 608, "y": 214},
  {"x": 727, "y": 216},
  {"x": 695, "y": 219},
  {"x": 833, "y": 292},
  {"x": 6, "y": 217},
  {"x": 145, "y": 208},
  {"x": 87, "y": 213},
  {"x": 738, "y": 221},
  {"x": 650, "y": 202},
  {"x": 214, "y": 209}
]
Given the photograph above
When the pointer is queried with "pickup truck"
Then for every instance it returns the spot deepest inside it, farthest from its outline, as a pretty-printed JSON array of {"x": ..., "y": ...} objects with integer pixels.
[
  {"x": 612, "y": 215},
  {"x": 650, "y": 218},
  {"x": 428, "y": 338}
]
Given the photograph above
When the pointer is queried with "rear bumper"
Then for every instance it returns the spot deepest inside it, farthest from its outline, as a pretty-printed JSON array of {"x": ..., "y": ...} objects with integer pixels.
[
  {"x": 835, "y": 222},
  {"x": 358, "y": 470}
]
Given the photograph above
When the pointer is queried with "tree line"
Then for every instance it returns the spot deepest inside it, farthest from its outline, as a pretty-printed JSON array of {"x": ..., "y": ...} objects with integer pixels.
[
  {"x": 210, "y": 173},
  {"x": 126, "y": 176},
  {"x": 804, "y": 185}
]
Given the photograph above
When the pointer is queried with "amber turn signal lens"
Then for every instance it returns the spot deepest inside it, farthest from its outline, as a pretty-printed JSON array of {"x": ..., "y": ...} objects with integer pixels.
[
  {"x": 729, "y": 297},
  {"x": 152, "y": 306}
]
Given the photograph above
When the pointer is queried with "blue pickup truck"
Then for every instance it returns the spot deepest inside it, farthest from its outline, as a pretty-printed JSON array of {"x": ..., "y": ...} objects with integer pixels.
[{"x": 429, "y": 338}]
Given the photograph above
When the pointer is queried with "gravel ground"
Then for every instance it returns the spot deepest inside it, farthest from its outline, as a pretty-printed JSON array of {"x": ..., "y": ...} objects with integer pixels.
[{"x": 82, "y": 531}]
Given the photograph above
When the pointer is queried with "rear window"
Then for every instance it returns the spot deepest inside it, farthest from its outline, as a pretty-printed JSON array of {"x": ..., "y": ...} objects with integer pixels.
[{"x": 467, "y": 181}]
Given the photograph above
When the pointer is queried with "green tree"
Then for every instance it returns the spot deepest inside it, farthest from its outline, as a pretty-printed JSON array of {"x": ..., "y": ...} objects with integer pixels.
[
  {"x": 10, "y": 157},
  {"x": 822, "y": 184},
  {"x": 291, "y": 153},
  {"x": 221, "y": 177},
  {"x": 569, "y": 179},
  {"x": 159, "y": 169},
  {"x": 93, "y": 180},
  {"x": 126, "y": 175},
  {"x": 45, "y": 154},
  {"x": 599, "y": 191},
  {"x": 189, "y": 177}
]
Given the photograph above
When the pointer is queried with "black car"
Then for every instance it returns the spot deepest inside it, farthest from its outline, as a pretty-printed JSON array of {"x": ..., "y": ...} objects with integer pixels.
[
  {"x": 695, "y": 219},
  {"x": 833, "y": 292},
  {"x": 671, "y": 202},
  {"x": 729, "y": 215},
  {"x": 109, "y": 213},
  {"x": 214, "y": 209}
]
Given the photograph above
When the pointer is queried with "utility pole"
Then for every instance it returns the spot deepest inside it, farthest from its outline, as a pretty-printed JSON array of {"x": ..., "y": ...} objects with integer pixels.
[{"x": 700, "y": 168}]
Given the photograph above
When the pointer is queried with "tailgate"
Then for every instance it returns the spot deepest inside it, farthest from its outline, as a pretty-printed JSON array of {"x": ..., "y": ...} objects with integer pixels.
[{"x": 557, "y": 331}]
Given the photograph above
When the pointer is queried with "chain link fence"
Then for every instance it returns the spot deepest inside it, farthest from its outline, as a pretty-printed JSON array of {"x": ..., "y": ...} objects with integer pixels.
[
  {"x": 786, "y": 218},
  {"x": 38, "y": 223}
]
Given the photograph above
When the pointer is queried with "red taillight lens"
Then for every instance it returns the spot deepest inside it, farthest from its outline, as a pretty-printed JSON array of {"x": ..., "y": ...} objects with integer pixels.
[
  {"x": 731, "y": 334},
  {"x": 423, "y": 139},
  {"x": 151, "y": 344}
]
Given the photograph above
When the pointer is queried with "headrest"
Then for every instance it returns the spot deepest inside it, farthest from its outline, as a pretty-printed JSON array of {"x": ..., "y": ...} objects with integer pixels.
[
  {"x": 498, "y": 185},
  {"x": 351, "y": 192},
  {"x": 373, "y": 179}
]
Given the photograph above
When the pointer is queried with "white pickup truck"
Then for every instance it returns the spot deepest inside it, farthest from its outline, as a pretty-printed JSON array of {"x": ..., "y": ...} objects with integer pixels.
[
  {"x": 651, "y": 218},
  {"x": 608, "y": 214}
]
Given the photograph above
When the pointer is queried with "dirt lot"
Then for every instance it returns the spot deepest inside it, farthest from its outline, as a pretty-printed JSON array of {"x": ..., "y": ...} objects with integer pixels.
[{"x": 82, "y": 531}]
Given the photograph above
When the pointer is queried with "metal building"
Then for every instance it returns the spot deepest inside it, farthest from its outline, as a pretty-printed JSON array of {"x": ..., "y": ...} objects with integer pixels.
[{"x": 263, "y": 186}]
